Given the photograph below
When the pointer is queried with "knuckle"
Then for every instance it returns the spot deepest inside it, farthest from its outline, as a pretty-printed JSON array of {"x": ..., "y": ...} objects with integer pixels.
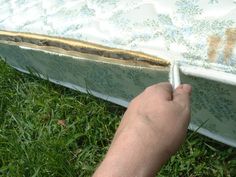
[
  {"x": 149, "y": 89},
  {"x": 132, "y": 102}
]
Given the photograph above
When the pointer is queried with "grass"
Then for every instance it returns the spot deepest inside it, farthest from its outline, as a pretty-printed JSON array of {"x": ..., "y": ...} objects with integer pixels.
[{"x": 49, "y": 130}]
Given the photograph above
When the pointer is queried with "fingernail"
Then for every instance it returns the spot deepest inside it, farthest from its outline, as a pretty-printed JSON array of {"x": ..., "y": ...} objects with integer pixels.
[{"x": 187, "y": 88}]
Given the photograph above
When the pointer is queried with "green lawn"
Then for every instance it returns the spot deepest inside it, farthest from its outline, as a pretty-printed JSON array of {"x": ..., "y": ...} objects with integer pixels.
[{"x": 35, "y": 140}]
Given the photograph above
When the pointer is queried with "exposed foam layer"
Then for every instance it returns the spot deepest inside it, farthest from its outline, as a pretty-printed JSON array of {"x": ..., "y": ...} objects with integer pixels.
[{"x": 82, "y": 47}]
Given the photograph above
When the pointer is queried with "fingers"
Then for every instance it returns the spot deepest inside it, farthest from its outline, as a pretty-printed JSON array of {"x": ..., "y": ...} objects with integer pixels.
[
  {"x": 182, "y": 95},
  {"x": 162, "y": 90}
]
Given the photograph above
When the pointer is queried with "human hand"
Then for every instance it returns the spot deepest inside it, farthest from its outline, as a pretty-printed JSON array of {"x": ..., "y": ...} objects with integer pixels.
[{"x": 152, "y": 129}]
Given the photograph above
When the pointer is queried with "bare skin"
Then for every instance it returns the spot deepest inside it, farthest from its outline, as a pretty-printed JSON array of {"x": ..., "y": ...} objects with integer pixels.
[{"x": 152, "y": 129}]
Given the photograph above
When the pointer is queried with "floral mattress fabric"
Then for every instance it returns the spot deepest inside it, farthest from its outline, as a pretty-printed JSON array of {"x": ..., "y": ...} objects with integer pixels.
[
  {"x": 197, "y": 36},
  {"x": 199, "y": 32}
]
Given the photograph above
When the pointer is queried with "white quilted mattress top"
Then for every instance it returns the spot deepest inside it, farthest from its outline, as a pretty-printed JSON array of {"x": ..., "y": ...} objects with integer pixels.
[{"x": 195, "y": 32}]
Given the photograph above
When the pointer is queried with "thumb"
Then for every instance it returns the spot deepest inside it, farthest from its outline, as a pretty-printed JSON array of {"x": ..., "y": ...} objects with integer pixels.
[{"x": 182, "y": 95}]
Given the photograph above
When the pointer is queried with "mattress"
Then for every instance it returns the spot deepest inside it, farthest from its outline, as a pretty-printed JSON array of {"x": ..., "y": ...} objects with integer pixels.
[{"x": 114, "y": 49}]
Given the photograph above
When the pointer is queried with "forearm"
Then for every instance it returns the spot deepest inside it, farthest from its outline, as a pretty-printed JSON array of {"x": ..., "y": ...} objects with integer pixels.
[{"x": 128, "y": 156}]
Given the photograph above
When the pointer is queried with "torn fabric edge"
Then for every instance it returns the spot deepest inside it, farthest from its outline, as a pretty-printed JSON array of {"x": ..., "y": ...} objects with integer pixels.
[{"x": 174, "y": 77}]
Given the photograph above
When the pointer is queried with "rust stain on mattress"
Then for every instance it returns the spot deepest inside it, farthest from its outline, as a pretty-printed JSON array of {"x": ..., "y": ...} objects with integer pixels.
[
  {"x": 82, "y": 47},
  {"x": 230, "y": 43},
  {"x": 227, "y": 42},
  {"x": 213, "y": 42}
]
